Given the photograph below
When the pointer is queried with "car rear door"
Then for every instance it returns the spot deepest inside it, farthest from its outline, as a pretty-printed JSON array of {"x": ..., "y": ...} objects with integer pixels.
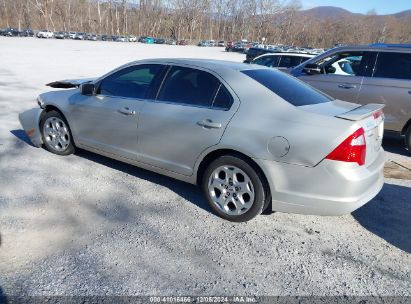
[
  {"x": 343, "y": 73},
  {"x": 188, "y": 115},
  {"x": 108, "y": 121},
  {"x": 390, "y": 84}
]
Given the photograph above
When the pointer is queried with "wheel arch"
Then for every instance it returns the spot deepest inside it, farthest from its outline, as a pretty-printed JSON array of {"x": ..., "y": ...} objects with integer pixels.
[
  {"x": 406, "y": 126},
  {"x": 51, "y": 107},
  {"x": 213, "y": 155}
]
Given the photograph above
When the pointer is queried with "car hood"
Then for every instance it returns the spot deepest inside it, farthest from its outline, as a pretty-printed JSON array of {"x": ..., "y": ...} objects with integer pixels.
[{"x": 69, "y": 83}]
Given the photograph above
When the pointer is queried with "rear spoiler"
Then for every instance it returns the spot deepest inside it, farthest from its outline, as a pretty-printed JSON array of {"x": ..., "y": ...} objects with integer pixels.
[
  {"x": 362, "y": 112},
  {"x": 69, "y": 83}
]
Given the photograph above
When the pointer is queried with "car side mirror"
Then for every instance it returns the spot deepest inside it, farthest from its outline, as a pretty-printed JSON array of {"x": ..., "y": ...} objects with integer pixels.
[
  {"x": 312, "y": 69},
  {"x": 87, "y": 89}
]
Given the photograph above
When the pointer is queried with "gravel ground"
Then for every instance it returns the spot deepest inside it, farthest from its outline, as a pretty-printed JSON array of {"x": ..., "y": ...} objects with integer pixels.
[{"x": 87, "y": 225}]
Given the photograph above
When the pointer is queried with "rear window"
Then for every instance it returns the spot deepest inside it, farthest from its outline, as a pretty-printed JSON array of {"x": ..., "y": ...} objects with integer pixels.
[{"x": 287, "y": 87}]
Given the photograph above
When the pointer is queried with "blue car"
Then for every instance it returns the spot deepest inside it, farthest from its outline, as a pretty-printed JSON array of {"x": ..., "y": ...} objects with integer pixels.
[{"x": 146, "y": 39}]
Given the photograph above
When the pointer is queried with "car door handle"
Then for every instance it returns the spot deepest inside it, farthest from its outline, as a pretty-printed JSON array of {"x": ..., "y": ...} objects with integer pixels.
[
  {"x": 209, "y": 124},
  {"x": 347, "y": 86},
  {"x": 127, "y": 111}
]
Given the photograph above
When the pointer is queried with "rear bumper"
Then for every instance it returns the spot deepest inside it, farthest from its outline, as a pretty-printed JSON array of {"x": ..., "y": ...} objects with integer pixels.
[{"x": 330, "y": 188}]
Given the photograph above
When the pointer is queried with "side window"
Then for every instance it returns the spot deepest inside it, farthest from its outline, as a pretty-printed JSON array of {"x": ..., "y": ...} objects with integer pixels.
[
  {"x": 223, "y": 99},
  {"x": 268, "y": 61},
  {"x": 393, "y": 65},
  {"x": 189, "y": 86},
  {"x": 345, "y": 63},
  {"x": 131, "y": 82},
  {"x": 289, "y": 61}
]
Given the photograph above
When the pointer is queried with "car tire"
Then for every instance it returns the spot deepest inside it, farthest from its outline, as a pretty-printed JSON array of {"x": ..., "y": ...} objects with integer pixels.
[
  {"x": 235, "y": 189},
  {"x": 56, "y": 133},
  {"x": 408, "y": 139}
]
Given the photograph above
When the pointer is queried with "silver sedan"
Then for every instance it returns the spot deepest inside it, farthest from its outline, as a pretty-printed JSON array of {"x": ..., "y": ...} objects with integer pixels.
[{"x": 252, "y": 137}]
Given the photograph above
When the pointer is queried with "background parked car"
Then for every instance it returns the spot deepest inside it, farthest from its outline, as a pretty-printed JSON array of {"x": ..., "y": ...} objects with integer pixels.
[
  {"x": 11, "y": 32},
  {"x": 61, "y": 35},
  {"x": 107, "y": 38},
  {"x": 132, "y": 38},
  {"x": 204, "y": 43},
  {"x": 171, "y": 41},
  {"x": 282, "y": 61},
  {"x": 255, "y": 52},
  {"x": 79, "y": 36},
  {"x": 146, "y": 39},
  {"x": 159, "y": 41},
  {"x": 72, "y": 35},
  {"x": 121, "y": 39},
  {"x": 221, "y": 43},
  {"x": 238, "y": 47},
  {"x": 92, "y": 37},
  {"x": 379, "y": 73},
  {"x": 27, "y": 33},
  {"x": 229, "y": 46},
  {"x": 182, "y": 42},
  {"x": 45, "y": 34}
]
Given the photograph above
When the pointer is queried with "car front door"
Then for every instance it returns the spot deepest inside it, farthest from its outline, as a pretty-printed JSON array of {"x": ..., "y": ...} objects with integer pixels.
[
  {"x": 390, "y": 84},
  {"x": 189, "y": 114},
  {"x": 341, "y": 74},
  {"x": 108, "y": 120}
]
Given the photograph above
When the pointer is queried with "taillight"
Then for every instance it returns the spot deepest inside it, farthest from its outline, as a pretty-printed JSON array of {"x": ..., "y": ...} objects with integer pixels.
[
  {"x": 378, "y": 114},
  {"x": 352, "y": 150}
]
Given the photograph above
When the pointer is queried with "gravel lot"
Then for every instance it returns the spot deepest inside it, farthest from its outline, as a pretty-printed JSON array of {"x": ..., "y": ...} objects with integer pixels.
[{"x": 87, "y": 225}]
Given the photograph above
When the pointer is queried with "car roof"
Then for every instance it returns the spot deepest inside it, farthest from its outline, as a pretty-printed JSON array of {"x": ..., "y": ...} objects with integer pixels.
[
  {"x": 202, "y": 63},
  {"x": 402, "y": 48}
]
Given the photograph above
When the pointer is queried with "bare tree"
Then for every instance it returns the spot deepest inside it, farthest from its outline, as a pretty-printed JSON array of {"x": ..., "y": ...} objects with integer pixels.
[{"x": 279, "y": 21}]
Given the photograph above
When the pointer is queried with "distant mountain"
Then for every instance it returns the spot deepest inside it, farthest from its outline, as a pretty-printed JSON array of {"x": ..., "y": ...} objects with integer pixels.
[
  {"x": 327, "y": 12},
  {"x": 404, "y": 14},
  {"x": 332, "y": 12}
]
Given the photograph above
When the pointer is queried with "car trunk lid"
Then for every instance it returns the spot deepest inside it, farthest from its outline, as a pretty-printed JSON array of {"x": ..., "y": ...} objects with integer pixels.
[{"x": 369, "y": 117}]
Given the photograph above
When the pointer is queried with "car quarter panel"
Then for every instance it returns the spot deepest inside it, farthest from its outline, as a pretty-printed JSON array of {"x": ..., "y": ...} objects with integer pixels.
[{"x": 264, "y": 116}]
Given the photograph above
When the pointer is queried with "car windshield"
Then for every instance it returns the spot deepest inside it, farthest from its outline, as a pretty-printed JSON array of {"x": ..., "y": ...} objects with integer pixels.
[{"x": 287, "y": 87}]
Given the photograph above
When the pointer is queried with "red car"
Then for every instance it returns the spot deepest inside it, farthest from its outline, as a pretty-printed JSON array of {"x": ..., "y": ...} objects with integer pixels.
[
  {"x": 182, "y": 42},
  {"x": 229, "y": 46}
]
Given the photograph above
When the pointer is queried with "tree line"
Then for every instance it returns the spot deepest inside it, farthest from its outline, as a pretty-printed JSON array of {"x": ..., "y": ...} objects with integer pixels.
[{"x": 278, "y": 21}]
